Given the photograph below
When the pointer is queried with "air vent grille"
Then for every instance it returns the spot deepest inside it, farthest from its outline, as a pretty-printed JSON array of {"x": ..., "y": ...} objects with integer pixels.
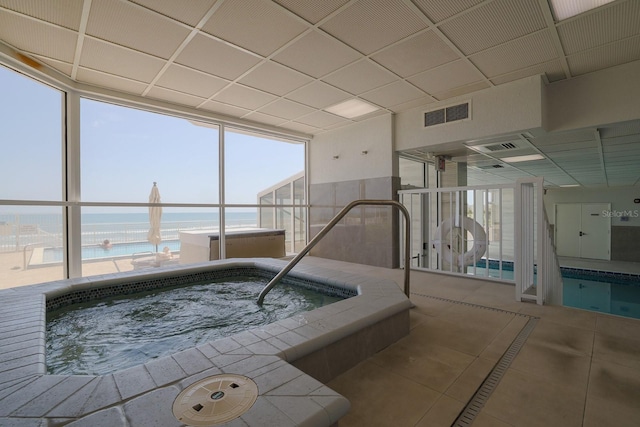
[
  {"x": 446, "y": 115},
  {"x": 503, "y": 146}
]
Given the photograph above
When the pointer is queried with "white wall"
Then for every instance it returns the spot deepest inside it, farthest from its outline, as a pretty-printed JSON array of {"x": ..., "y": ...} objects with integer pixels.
[
  {"x": 373, "y": 135},
  {"x": 621, "y": 199},
  {"x": 603, "y": 97},
  {"x": 505, "y": 109}
]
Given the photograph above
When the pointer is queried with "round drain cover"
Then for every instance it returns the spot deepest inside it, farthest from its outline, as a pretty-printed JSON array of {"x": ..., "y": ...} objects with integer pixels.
[{"x": 215, "y": 400}]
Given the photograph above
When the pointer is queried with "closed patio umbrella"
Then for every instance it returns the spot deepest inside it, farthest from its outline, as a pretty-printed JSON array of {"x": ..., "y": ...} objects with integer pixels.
[{"x": 155, "y": 215}]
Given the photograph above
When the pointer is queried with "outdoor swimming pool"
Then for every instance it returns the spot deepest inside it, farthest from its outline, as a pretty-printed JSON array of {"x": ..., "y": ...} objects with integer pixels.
[{"x": 53, "y": 255}]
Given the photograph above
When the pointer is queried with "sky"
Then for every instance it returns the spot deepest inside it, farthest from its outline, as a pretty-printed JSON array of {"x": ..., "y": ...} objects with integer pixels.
[{"x": 124, "y": 150}]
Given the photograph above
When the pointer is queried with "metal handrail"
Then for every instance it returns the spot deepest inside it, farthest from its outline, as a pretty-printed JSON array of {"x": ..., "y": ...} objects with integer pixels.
[{"x": 328, "y": 228}]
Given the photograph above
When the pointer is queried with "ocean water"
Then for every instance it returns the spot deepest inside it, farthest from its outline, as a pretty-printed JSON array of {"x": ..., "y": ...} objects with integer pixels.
[{"x": 46, "y": 230}]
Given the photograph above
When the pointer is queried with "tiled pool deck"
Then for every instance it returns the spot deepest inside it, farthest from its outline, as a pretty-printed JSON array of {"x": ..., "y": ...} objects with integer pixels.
[{"x": 143, "y": 395}]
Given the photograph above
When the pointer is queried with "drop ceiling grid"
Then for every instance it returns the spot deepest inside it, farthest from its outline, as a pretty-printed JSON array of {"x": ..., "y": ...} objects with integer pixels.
[
  {"x": 446, "y": 77},
  {"x": 328, "y": 54},
  {"x": 256, "y": 25},
  {"x": 393, "y": 94},
  {"x": 219, "y": 107},
  {"x": 100, "y": 79},
  {"x": 179, "y": 98},
  {"x": 65, "y": 13},
  {"x": 243, "y": 97},
  {"x": 235, "y": 64},
  {"x": 359, "y": 77},
  {"x": 320, "y": 119},
  {"x": 312, "y": 11},
  {"x": 188, "y": 80},
  {"x": 552, "y": 70},
  {"x": 461, "y": 90},
  {"x": 439, "y": 11},
  {"x": 416, "y": 54},
  {"x": 318, "y": 95},
  {"x": 63, "y": 67},
  {"x": 264, "y": 118},
  {"x": 619, "y": 21},
  {"x": 176, "y": 10},
  {"x": 286, "y": 109},
  {"x": 135, "y": 27},
  {"x": 38, "y": 37},
  {"x": 498, "y": 22},
  {"x": 119, "y": 61},
  {"x": 610, "y": 55},
  {"x": 515, "y": 55},
  {"x": 370, "y": 25},
  {"x": 274, "y": 78}
]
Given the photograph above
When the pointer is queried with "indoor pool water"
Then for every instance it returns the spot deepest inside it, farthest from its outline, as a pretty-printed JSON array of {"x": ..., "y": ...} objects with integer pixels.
[
  {"x": 104, "y": 336},
  {"x": 604, "y": 293}
]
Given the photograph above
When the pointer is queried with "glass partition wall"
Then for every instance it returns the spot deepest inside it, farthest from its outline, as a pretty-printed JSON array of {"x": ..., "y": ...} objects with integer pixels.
[{"x": 82, "y": 175}]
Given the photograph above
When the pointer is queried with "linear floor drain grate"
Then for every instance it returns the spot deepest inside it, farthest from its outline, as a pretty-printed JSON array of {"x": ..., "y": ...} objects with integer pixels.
[{"x": 481, "y": 396}]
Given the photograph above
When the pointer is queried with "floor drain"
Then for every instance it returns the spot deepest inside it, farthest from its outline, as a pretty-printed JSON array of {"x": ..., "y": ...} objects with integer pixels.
[
  {"x": 215, "y": 400},
  {"x": 481, "y": 396}
]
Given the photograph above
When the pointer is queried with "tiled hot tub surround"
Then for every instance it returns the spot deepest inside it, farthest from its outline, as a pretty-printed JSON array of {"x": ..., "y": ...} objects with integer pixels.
[{"x": 323, "y": 342}]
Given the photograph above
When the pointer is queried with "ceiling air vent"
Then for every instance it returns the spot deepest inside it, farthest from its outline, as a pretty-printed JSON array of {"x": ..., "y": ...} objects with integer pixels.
[{"x": 446, "y": 115}]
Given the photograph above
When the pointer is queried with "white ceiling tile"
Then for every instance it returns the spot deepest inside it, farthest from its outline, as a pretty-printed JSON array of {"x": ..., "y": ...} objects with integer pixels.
[
  {"x": 438, "y": 11},
  {"x": 226, "y": 109},
  {"x": 264, "y": 118},
  {"x": 552, "y": 69},
  {"x": 177, "y": 10},
  {"x": 461, "y": 90},
  {"x": 217, "y": 58},
  {"x": 64, "y": 67},
  {"x": 174, "y": 97},
  {"x": 320, "y": 119},
  {"x": 135, "y": 27},
  {"x": 96, "y": 78},
  {"x": 616, "y": 22},
  {"x": 318, "y": 95},
  {"x": 398, "y": 108},
  {"x": 521, "y": 53},
  {"x": 187, "y": 80},
  {"x": 256, "y": 25},
  {"x": 605, "y": 56},
  {"x": 316, "y": 54},
  {"x": 244, "y": 97},
  {"x": 300, "y": 127},
  {"x": 99, "y": 55},
  {"x": 416, "y": 54},
  {"x": 396, "y": 93},
  {"x": 66, "y": 13},
  {"x": 275, "y": 78},
  {"x": 494, "y": 23},
  {"x": 312, "y": 11},
  {"x": 370, "y": 25},
  {"x": 446, "y": 77},
  {"x": 31, "y": 36},
  {"x": 286, "y": 109},
  {"x": 360, "y": 77}
]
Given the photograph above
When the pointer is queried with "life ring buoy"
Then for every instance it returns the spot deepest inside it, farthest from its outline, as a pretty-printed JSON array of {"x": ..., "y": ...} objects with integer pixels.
[{"x": 442, "y": 243}]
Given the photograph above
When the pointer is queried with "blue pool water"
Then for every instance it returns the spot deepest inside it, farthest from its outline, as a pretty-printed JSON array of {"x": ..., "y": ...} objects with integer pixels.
[
  {"x": 52, "y": 255},
  {"x": 599, "y": 291}
]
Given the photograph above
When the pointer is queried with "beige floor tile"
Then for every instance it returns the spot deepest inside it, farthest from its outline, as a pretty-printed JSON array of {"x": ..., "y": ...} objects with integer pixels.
[
  {"x": 624, "y": 352},
  {"x": 381, "y": 398},
  {"x": 426, "y": 363},
  {"x": 465, "y": 386},
  {"x": 553, "y": 364},
  {"x": 484, "y": 420},
  {"x": 618, "y": 326},
  {"x": 562, "y": 337},
  {"x": 503, "y": 340},
  {"x": 429, "y": 306},
  {"x": 442, "y": 414},
  {"x": 613, "y": 397},
  {"x": 527, "y": 400},
  {"x": 563, "y": 315}
]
